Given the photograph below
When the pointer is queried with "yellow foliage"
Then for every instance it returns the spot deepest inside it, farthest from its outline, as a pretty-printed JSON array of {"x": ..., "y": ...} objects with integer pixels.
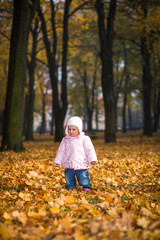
[
  {"x": 123, "y": 203},
  {"x": 40, "y": 213},
  {"x": 54, "y": 209},
  {"x": 7, "y": 231},
  {"x": 78, "y": 235},
  {"x": 109, "y": 198},
  {"x": 70, "y": 199}
]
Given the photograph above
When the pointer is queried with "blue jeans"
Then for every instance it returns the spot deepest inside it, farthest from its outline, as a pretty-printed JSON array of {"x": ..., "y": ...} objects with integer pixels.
[{"x": 82, "y": 178}]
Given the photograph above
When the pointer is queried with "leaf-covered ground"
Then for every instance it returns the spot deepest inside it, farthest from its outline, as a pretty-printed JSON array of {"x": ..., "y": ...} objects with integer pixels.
[{"x": 124, "y": 202}]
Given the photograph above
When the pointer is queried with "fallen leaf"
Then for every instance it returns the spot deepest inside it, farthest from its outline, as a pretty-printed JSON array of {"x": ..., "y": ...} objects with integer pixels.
[
  {"x": 40, "y": 213},
  {"x": 143, "y": 222},
  {"x": 65, "y": 223},
  {"x": 7, "y": 216},
  {"x": 54, "y": 209},
  {"x": 109, "y": 198},
  {"x": 7, "y": 232},
  {"x": 70, "y": 199},
  {"x": 78, "y": 235}
]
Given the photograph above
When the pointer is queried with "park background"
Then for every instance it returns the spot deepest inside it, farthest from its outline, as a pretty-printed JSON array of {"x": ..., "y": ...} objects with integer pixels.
[{"x": 98, "y": 60}]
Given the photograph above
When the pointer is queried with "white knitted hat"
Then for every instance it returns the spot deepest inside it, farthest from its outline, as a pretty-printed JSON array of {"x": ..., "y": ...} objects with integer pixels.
[{"x": 76, "y": 121}]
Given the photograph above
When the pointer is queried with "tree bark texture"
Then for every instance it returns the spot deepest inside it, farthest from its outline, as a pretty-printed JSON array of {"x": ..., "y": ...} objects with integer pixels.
[
  {"x": 13, "y": 119},
  {"x": 146, "y": 78},
  {"x": 43, "y": 116},
  {"x": 156, "y": 110},
  {"x": 129, "y": 118},
  {"x": 89, "y": 110},
  {"x": 31, "y": 68},
  {"x": 106, "y": 42},
  {"x": 126, "y": 75}
]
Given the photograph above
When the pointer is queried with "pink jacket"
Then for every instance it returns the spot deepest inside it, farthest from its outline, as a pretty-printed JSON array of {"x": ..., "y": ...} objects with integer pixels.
[{"x": 75, "y": 152}]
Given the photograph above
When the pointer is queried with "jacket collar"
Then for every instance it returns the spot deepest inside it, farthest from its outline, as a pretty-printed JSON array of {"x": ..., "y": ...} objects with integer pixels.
[{"x": 77, "y": 137}]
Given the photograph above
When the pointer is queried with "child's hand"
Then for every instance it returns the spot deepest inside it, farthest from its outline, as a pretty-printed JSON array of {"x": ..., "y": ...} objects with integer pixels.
[
  {"x": 94, "y": 162},
  {"x": 57, "y": 164}
]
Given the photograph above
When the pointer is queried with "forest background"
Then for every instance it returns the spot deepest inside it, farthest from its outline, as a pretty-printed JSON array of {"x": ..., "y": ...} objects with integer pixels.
[{"x": 92, "y": 58}]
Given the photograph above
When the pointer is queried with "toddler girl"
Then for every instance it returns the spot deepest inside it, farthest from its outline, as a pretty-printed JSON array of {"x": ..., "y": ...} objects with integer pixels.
[{"x": 75, "y": 154}]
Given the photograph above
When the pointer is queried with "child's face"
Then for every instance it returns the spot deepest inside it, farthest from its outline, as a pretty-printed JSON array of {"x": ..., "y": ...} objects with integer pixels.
[{"x": 73, "y": 131}]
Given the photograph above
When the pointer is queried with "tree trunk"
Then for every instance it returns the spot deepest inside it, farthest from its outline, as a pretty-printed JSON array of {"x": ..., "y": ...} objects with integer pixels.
[
  {"x": 25, "y": 114},
  {"x": 146, "y": 79},
  {"x": 31, "y": 67},
  {"x": 106, "y": 42},
  {"x": 60, "y": 102},
  {"x": 96, "y": 118},
  {"x": 124, "y": 113},
  {"x": 52, "y": 125},
  {"x": 129, "y": 117},
  {"x": 125, "y": 89},
  {"x": 13, "y": 117},
  {"x": 1, "y": 121},
  {"x": 94, "y": 102},
  {"x": 60, "y": 113},
  {"x": 156, "y": 110},
  {"x": 89, "y": 111},
  {"x": 118, "y": 87},
  {"x": 156, "y": 96},
  {"x": 43, "y": 123}
]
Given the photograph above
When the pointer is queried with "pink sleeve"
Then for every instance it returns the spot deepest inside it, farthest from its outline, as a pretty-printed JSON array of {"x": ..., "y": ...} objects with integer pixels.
[
  {"x": 60, "y": 153},
  {"x": 89, "y": 150}
]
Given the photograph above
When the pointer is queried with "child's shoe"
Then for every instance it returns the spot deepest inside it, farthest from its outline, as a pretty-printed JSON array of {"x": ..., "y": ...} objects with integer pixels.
[{"x": 86, "y": 189}]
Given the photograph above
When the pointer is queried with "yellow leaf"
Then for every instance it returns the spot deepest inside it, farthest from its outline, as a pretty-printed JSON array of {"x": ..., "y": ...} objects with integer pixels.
[
  {"x": 113, "y": 212},
  {"x": 158, "y": 211},
  {"x": 70, "y": 199},
  {"x": 65, "y": 223},
  {"x": 44, "y": 188},
  {"x": 7, "y": 216},
  {"x": 104, "y": 205},
  {"x": 95, "y": 227},
  {"x": 40, "y": 213},
  {"x": 24, "y": 196},
  {"x": 47, "y": 198},
  {"x": 23, "y": 218},
  {"x": 145, "y": 211},
  {"x": 15, "y": 213},
  {"x": 21, "y": 195},
  {"x": 84, "y": 201},
  {"x": 109, "y": 198},
  {"x": 54, "y": 209},
  {"x": 124, "y": 191},
  {"x": 143, "y": 222},
  {"x": 95, "y": 212},
  {"x": 7, "y": 232},
  {"x": 154, "y": 225},
  {"x": 19, "y": 203},
  {"x": 79, "y": 236},
  {"x": 33, "y": 174}
]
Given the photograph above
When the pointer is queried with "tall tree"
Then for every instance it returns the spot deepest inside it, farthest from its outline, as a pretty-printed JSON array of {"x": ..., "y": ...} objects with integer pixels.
[
  {"x": 126, "y": 72},
  {"x": 23, "y": 14},
  {"x": 5, "y": 32},
  {"x": 30, "y": 95},
  {"x": 88, "y": 105},
  {"x": 143, "y": 19},
  {"x": 106, "y": 44},
  {"x": 146, "y": 48},
  {"x": 156, "y": 90},
  {"x": 43, "y": 115},
  {"x": 59, "y": 101}
]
